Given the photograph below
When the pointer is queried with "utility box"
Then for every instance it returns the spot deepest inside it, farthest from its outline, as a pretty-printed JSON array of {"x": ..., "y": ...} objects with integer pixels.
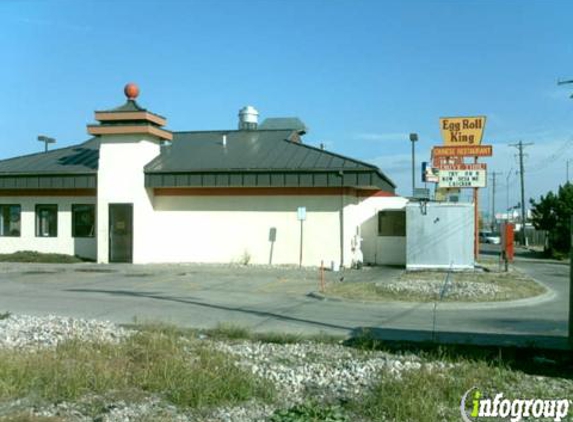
[
  {"x": 439, "y": 236},
  {"x": 507, "y": 232}
]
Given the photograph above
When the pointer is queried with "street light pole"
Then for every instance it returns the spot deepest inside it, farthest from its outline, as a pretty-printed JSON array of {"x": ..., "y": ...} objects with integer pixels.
[
  {"x": 46, "y": 140},
  {"x": 413, "y": 139}
]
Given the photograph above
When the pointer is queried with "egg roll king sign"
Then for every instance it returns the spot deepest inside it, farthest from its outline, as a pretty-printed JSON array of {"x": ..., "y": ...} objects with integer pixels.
[{"x": 466, "y": 131}]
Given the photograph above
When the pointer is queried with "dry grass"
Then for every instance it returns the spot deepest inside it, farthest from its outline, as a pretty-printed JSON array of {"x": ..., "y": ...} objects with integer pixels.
[
  {"x": 434, "y": 394},
  {"x": 512, "y": 285},
  {"x": 156, "y": 361},
  {"x": 28, "y": 417},
  {"x": 428, "y": 395}
]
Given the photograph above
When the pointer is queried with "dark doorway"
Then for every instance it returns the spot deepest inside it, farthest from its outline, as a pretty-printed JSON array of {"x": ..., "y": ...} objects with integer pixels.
[{"x": 121, "y": 233}]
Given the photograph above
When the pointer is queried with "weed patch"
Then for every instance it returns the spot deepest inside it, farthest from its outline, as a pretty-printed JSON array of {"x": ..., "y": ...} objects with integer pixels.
[
  {"x": 229, "y": 331},
  {"x": 311, "y": 412},
  {"x": 27, "y": 417},
  {"x": 429, "y": 395},
  {"x": 184, "y": 372}
]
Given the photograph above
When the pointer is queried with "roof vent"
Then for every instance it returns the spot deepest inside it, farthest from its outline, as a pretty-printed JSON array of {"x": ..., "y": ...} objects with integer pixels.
[{"x": 248, "y": 118}]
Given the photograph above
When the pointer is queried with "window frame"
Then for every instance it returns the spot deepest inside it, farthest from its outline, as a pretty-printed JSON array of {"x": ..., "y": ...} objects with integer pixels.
[
  {"x": 397, "y": 230},
  {"x": 19, "y": 220},
  {"x": 74, "y": 229},
  {"x": 37, "y": 215}
]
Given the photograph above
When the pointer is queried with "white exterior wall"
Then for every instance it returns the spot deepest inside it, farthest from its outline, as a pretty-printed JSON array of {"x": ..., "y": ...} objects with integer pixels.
[
  {"x": 64, "y": 243},
  {"x": 227, "y": 229},
  {"x": 363, "y": 219},
  {"x": 121, "y": 180}
]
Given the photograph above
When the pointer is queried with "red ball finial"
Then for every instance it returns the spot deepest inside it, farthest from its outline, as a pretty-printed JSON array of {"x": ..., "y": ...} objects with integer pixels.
[{"x": 131, "y": 91}]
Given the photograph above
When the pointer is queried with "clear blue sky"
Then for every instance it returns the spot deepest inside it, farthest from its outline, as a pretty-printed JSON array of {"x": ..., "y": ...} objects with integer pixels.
[{"x": 361, "y": 74}]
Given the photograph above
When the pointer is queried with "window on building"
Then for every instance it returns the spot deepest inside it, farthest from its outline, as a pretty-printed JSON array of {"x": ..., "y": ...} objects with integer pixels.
[
  {"x": 10, "y": 220},
  {"x": 83, "y": 220},
  {"x": 392, "y": 223},
  {"x": 46, "y": 220}
]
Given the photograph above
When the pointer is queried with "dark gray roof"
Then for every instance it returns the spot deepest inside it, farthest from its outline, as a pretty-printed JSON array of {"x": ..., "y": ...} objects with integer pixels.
[
  {"x": 199, "y": 159},
  {"x": 284, "y": 123},
  {"x": 246, "y": 150},
  {"x": 128, "y": 107},
  {"x": 77, "y": 159},
  {"x": 257, "y": 151}
]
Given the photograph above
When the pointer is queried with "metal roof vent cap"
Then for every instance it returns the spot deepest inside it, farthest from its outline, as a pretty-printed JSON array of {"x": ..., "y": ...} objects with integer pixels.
[{"x": 248, "y": 118}]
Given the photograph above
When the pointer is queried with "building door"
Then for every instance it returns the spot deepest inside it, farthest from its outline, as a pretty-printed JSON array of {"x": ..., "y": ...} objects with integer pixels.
[{"x": 121, "y": 233}]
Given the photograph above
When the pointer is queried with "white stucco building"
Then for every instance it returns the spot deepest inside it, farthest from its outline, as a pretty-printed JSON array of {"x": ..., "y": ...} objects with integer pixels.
[{"x": 136, "y": 192}]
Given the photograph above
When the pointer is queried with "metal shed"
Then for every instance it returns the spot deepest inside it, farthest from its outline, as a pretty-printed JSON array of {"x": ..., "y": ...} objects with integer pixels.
[{"x": 439, "y": 236}]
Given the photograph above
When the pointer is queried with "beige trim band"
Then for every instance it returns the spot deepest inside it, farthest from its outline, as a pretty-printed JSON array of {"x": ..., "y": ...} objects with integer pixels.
[
  {"x": 107, "y": 116},
  {"x": 130, "y": 130}
]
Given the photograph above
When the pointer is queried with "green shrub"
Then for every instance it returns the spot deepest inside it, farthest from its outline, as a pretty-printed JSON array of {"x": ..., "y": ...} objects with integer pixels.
[
  {"x": 34, "y": 256},
  {"x": 311, "y": 412}
]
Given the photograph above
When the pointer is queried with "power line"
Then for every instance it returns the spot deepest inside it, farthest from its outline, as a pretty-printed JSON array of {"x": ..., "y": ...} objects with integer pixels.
[
  {"x": 520, "y": 145},
  {"x": 550, "y": 159}
]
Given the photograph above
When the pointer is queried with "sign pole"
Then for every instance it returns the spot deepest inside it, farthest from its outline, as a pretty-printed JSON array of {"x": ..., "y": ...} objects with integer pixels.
[
  {"x": 476, "y": 225},
  {"x": 476, "y": 220},
  {"x": 300, "y": 256}
]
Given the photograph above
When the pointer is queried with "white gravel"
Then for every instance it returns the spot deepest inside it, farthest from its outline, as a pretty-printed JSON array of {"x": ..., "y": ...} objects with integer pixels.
[
  {"x": 25, "y": 331},
  {"x": 321, "y": 369},
  {"x": 460, "y": 290}
]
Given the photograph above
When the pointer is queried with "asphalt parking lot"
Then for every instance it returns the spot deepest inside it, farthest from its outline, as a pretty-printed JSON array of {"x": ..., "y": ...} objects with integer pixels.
[{"x": 264, "y": 299}]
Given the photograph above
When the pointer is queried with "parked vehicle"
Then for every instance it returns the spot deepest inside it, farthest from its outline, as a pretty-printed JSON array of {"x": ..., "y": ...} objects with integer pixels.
[{"x": 489, "y": 237}]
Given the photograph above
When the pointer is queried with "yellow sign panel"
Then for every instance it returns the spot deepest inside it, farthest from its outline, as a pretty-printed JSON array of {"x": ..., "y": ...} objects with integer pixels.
[{"x": 465, "y": 131}]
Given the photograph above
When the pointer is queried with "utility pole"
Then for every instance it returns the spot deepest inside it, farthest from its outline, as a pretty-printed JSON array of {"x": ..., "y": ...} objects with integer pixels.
[
  {"x": 520, "y": 145},
  {"x": 493, "y": 174},
  {"x": 567, "y": 162}
]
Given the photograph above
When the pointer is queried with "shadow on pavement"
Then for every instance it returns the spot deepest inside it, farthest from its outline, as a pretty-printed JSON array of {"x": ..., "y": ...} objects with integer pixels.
[{"x": 196, "y": 302}]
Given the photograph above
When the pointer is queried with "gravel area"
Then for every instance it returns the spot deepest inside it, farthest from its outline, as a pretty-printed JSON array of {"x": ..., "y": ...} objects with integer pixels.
[
  {"x": 24, "y": 331},
  {"x": 301, "y": 370},
  {"x": 460, "y": 290},
  {"x": 325, "y": 372}
]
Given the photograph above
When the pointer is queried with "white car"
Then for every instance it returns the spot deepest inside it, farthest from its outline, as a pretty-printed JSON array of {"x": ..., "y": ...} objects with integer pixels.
[{"x": 489, "y": 237}]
